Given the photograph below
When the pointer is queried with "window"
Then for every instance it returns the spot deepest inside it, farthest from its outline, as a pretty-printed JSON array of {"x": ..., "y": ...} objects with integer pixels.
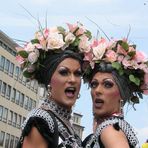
[
  {"x": 2, "y": 136},
  {"x": 13, "y": 95},
  {"x": 16, "y": 141},
  {"x": 26, "y": 102},
  {"x": 10, "y": 117},
  {"x": 11, "y": 141},
  {"x": 19, "y": 121},
  {"x": 8, "y": 91},
  {"x": 7, "y": 140},
  {"x": 2, "y": 62},
  {"x": 14, "y": 119},
  {"x": 33, "y": 104},
  {"x": 17, "y": 99},
  {"x": 30, "y": 104},
  {"x": 11, "y": 69},
  {"x": 1, "y": 112},
  {"x": 0, "y": 85},
  {"x": 5, "y": 114},
  {"x": 16, "y": 71},
  {"x": 3, "y": 88},
  {"x": 21, "y": 99},
  {"x": 7, "y": 64}
]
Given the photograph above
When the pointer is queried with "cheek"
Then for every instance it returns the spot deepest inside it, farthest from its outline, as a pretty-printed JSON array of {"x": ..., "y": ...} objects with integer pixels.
[{"x": 55, "y": 82}]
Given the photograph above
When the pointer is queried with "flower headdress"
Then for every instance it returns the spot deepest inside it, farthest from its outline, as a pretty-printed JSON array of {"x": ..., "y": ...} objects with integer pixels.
[
  {"x": 55, "y": 39},
  {"x": 125, "y": 59}
]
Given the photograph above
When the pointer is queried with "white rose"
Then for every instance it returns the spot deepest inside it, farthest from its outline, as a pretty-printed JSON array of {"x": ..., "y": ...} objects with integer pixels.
[
  {"x": 99, "y": 51},
  {"x": 29, "y": 47},
  {"x": 33, "y": 56},
  {"x": 84, "y": 44},
  {"x": 70, "y": 38},
  {"x": 55, "y": 41}
]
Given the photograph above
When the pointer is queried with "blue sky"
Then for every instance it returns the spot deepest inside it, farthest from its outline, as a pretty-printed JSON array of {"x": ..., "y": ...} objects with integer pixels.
[{"x": 113, "y": 16}]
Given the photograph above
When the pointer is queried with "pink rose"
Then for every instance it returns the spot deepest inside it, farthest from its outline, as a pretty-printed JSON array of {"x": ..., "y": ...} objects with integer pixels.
[
  {"x": 120, "y": 50},
  {"x": 20, "y": 59},
  {"x": 72, "y": 27},
  {"x": 80, "y": 31},
  {"x": 84, "y": 44},
  {"x": 139, "y": 57},
  {"x": 111, "y": 56}
]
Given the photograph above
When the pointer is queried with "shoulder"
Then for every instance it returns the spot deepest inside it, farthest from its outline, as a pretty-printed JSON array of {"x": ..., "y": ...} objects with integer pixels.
[
  {"x": 110, "y": 137},
  {"x": 117, "y": 127},
  {"x": 40, "y": 115}
]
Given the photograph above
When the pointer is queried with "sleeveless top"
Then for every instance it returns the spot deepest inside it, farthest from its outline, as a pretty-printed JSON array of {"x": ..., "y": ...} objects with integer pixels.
[
  {"x": 94, "y": 141},
  {"x": 53, "y": 123}
]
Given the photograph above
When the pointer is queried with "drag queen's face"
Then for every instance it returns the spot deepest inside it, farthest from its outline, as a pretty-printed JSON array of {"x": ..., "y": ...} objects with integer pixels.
[
  {"x": 105, "y": 95},
  {"x": 65, "y": 82}
]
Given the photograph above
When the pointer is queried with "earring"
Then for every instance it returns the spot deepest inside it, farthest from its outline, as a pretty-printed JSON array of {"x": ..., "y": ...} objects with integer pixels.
[
  {"x": 121, "y": 107},
  {"x": 78, "y": 96},
  {"x": 49, "y": 91}
]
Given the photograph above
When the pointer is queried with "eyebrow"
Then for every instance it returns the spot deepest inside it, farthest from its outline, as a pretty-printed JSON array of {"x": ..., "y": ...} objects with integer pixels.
[{"x": 64, "y": 67}]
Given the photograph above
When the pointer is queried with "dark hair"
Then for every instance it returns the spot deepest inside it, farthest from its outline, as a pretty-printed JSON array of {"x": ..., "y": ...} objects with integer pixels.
[
  {"x": 126, "y": 89},
  {"x": 49, "y": 65}
]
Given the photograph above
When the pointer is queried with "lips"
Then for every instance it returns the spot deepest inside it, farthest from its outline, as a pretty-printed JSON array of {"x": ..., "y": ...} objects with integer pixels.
[
  {"x": 70, "y": 92},
  {"x": 98, "y": 103}
]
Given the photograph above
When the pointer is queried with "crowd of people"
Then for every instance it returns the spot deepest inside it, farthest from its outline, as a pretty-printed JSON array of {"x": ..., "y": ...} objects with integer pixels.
[{"x": 59, "y": 59}]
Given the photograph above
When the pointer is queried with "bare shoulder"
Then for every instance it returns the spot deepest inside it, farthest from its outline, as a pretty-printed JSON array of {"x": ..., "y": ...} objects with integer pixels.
[
  {"x": 34, "y": 140},
  {"x": 112, "y": 138}
]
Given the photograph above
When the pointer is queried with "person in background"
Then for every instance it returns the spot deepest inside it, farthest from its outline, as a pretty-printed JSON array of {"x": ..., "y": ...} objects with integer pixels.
[
  {"x": 117, "y": 74},
  {"x": 145, "y": 145},
  {"x": 54, "y": 59}
]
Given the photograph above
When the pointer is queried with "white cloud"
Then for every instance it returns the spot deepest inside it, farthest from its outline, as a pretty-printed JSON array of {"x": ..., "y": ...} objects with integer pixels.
[{"x": 142, "y": 134}]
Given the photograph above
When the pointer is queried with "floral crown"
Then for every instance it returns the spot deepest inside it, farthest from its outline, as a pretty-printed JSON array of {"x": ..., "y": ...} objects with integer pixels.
[
  {"x": 55, "y": 39},
  {"x": 124, "y": 58}
]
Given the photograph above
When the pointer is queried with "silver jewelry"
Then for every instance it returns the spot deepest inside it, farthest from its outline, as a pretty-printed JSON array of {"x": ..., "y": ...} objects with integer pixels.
[
  {"x": 78, "y": 96},
  {"x": 121, "y": 107},
  {"x": 49, "y": 91}
]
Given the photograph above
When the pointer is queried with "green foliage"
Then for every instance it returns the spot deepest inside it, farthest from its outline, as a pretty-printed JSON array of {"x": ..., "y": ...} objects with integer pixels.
[
  {"x": 27, "y": 74},
  {"x": 134, "y": 79},
  {"x": 23, "y": 54},
  {"x": 35, "y": 41}
]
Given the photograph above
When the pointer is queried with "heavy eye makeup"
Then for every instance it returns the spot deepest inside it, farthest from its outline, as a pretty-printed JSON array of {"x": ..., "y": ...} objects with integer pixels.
[
  {"x": 78, "y": 73},
  {"x": 94, "y": 84},
  {"x": 65, "y": 72},
  {"x": 108, "y": 83}
]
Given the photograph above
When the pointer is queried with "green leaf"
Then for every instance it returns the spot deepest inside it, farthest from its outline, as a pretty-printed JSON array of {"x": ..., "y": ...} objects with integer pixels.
[
  {"x": 76, "y": 42},
  {"x": 23, "y": 53},
  {"x": 116, "y": 65},
  {"x": 134, "y": 79},
  {"x": 125, "y": 46},
  {"x": 88, "y": 34},
  {"x": 35, "y": 41},
  {"x": 61, "y": 29},
  {"x": 132, "y": 53},
  {"x": 27, "y": 74}
]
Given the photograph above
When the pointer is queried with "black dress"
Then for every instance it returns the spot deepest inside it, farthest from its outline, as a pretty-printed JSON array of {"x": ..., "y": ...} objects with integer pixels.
[
  {"x": 53, "y": 123},
  {"x": 94, "y": 141}
]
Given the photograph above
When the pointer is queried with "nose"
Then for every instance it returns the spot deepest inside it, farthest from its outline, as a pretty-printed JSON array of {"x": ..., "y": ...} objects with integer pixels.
[
  {"x": 72, "y": 78},
  {"x": 98, "y": 90}
]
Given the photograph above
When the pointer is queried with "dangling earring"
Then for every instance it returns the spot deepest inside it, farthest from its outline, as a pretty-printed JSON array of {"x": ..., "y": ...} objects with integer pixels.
[
  {"x": 49, "y": 91},
  {"x": 121, "y": 107},
  {"x": 78, "y": 96}
]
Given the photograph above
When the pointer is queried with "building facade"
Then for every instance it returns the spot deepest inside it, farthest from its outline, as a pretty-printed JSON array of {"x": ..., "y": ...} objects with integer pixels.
[
  {"x": 17, "y": 97},
  {"x": 76, "y": 120}
]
